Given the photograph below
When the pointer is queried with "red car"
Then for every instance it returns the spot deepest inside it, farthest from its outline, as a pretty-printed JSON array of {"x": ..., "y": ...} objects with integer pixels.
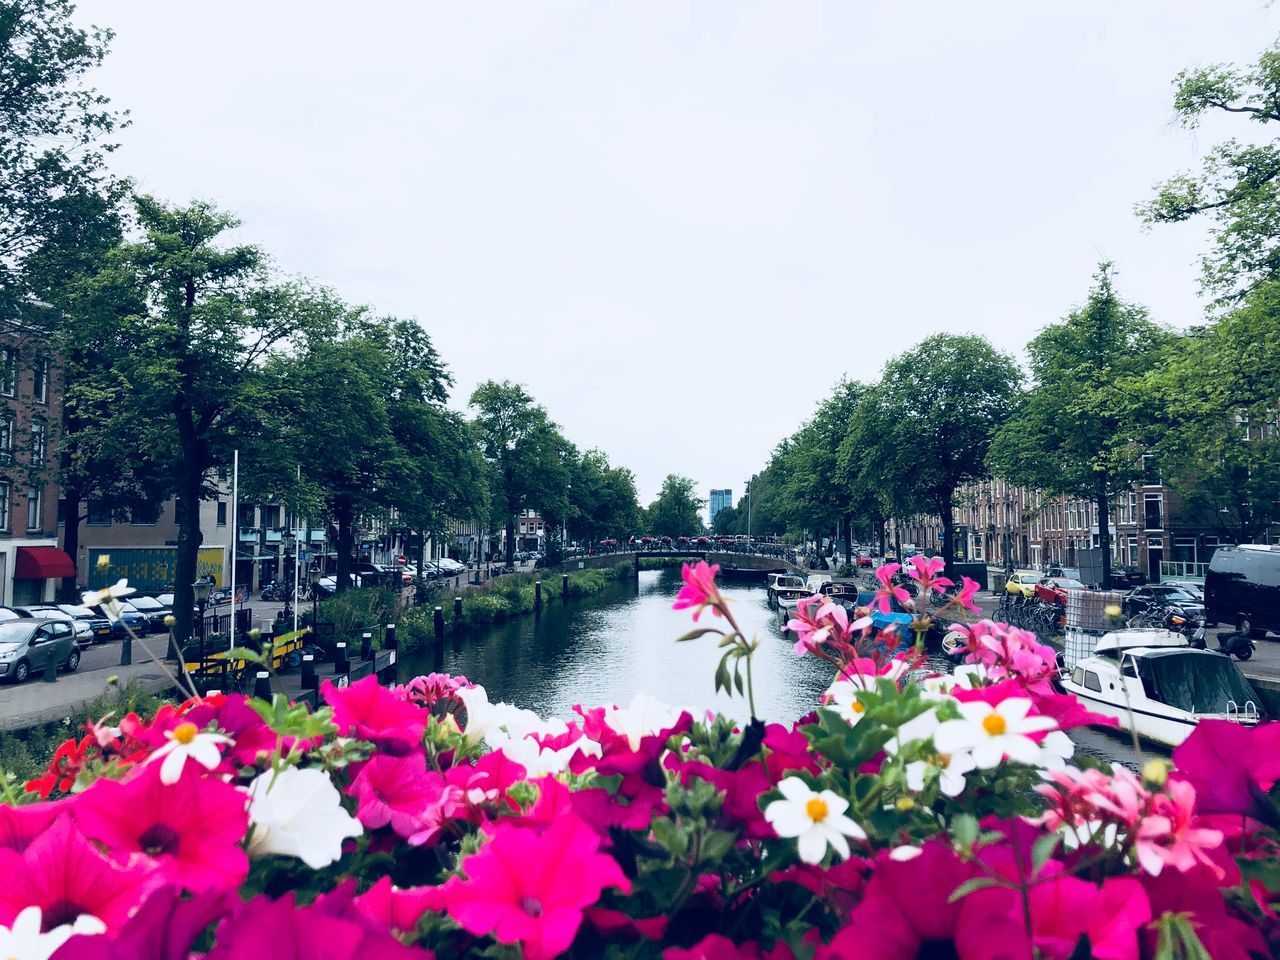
[{"x": 1054, "y": 589}]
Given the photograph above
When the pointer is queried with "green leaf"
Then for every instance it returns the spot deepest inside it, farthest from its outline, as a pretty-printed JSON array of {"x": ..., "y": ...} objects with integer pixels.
[
  {"x": 1042, "y": 850},
  {"x": 695, "y": 634},
  {"x": 972, "y": 886},
  {"x": 964, "y": 829}
]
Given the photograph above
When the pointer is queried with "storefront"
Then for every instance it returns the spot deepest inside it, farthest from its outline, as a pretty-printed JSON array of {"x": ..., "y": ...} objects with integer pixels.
[{"x": 31, "y": 571}]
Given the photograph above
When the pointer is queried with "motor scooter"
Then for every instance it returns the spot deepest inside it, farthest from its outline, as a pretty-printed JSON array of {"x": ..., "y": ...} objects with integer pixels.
[{"x": 1237, "y": 645}]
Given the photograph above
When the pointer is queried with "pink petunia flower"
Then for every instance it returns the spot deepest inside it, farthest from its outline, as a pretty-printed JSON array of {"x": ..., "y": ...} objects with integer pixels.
[
  {"x": 531, "y": 886},
  {"x": 280, "y": 929},
  {"x": 925, "y": 570},
  {"x": 968, "y": 589},
  {"x": 400, "y": 792},
  {"x": 1231, "y": 766},
  {"x": 370, "y": 711},
  {"x": 190, "y": 831},
  {"x": 165, "y": 927},
  {"x": 699, "y": 590},
  {"x": 20, "y": 825},
  {"x": 63, "y": 874},
  {"x": 396, "y": 908}
]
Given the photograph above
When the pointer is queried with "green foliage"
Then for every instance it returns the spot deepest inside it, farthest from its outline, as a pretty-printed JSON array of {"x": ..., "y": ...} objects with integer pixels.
[
  {"x": 602, "y": 500},
  {"x": 1238, "y": 185},
  {"x": 355, "y": 611},
  {"x": 1074, "y": 431},
  {"x": 677, "y": 511}
]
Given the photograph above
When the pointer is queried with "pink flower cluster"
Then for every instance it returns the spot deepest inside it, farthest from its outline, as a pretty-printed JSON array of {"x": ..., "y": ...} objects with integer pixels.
[{"x": 423, "y": 820}]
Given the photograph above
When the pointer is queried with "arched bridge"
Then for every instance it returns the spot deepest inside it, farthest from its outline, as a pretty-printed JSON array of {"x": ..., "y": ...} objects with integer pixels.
[{"x": 731, "y": 562}]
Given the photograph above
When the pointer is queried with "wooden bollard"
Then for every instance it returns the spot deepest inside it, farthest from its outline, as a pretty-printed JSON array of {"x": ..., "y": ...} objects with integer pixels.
[
  {"x": 310, "y": 679},
  {"x": 366, "y": 646},
  {"x": 51, "y": 665},
  {"x": 340, "y": 665},
  {"x": 537, "y": 595},
  {"x": 564, "y": 586},
  {"x": 262, "y": 685},
  {"x": 457, "y": 613},
  {"x": 389, "y": 642},
  {"x": 439, "y": 624}
]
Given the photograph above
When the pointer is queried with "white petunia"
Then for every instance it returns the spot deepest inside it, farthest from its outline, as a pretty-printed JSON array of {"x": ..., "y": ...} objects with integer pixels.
[
  {"x": 1055, "y": 750},
  {"x": 108, "y": 598},
  {"x": 185, "y": 742},
  {"x": 537, "y": 761},
  {"x": 299, "y": 815},
  {"x": 496, "y": 723},
  {"x": 816, "y": 820},
  {"x": 993, "y": 733},
  {"x": 645, "y": 717},
  {"x": 24, "y": 941}
]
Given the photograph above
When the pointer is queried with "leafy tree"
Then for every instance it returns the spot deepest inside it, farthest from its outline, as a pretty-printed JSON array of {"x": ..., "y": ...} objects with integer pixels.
[
  {"x": 1074, "y": 432},
  {"x": 525, "y": 452},
  {"x": 939, "y": 405},
  {"x": 814, "y": 496},
  {"x": 56, "y": 198},
  {"x": 602, "y": 499},
  {"x": 1238, "y": 185},
  {"x": 730, "y": 521},
  {"x": 677, "y": 511},
  {"x": 1210, "y": 411},
  {"x": 199, "y": 321}
]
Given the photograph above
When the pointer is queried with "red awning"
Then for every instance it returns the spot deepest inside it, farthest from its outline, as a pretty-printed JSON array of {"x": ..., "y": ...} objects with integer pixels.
[{"x": 42, "y": 563}]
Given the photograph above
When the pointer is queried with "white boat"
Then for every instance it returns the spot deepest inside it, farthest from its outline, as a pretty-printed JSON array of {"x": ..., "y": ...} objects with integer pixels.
[
  {"x": 1159, "y": 686},
  {"x": 780, "y": 582},
  {"x": 815, "y": 582}
]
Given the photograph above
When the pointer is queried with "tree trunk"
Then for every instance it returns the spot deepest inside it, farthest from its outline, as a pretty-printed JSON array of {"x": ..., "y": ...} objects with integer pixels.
[
  {"x": 511, "y": 542},
  {"x": 343, "y": 515},
  {"x": 190, "y": 486},
  {"x": 947, "y": 512},
  {"x": 897, "y": 539},
  {"x": 69, "y": 591},
  {"x": 1102, "y": 501},
  {"x": 879, "y": 528},
  {"x": 848, "y": 540}
]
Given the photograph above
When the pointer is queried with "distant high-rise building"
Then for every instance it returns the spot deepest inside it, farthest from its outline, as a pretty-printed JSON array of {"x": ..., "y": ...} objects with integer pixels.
[{"x": 719, "y": 500}]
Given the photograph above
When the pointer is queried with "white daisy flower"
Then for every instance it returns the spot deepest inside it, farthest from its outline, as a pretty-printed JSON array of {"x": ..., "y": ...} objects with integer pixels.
[
  {"x": 185, "y": 742},
  {"x": 993, "y": 733},
  {"x": 108, "y": 598},
  {"x": 844, "y": 696},
  {"x": 951, "y": 768},
  {"x": 816, "y": 820}
]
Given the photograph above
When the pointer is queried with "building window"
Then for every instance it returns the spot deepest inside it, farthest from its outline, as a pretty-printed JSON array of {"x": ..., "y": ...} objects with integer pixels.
[
  {"x": 1153, "y": 514},
  {"x": 271, "y": 517},
  {"x": 4, "y": 505},
  {"x": 40, "y": 380},
  {"x": 247, "y": 511},
  {"x": 144, "y": 514},
  {"x": 35, "y": 509},
  {"x": 222, "y": 513},
  {"x": 37, "y": 444},
  {"x": 62, "y": 512},
  {"x": 1150, "y": 471},
  {"x": 6, "y": 439},
  {"x": 99, "y": 515},
  {"x": 8, "y": 371}
]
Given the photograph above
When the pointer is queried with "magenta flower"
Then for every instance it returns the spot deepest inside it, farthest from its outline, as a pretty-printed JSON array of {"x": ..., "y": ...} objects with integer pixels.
[
  {"x": 699, "y": 590},
  {"x": 369, "y": 711},
  {"x": 65, "y": 876},
  {"x": 398, "y": 909},
  {"x": 531, "y": 887},
  {"x": 20, "y": 825},
  {"x": 968, "y": 589},
  {"x": 165, "y": 927},
  {"x": 399, "y": 792},
  {"x": 189, "y": 831},
  {"x": 1067, "y": 908},
  {"x": 1231, "y": 766},
  {"x": 885, "y": 574},
  {"x": 925, "y": 570},
  {"x": 281, "y": 930}
]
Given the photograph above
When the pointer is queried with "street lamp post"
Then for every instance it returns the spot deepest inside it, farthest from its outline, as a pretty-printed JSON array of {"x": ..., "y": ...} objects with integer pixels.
[
  {"x": 201, "y": 588},
  {"x": 747, "y": 483},
  {"x": 315, "y": 575}
]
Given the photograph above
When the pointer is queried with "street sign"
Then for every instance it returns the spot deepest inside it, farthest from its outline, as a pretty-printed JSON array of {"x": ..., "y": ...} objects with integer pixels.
[
  {"x": 401, "y": 560},
  {"x": 302, "y": 555}
]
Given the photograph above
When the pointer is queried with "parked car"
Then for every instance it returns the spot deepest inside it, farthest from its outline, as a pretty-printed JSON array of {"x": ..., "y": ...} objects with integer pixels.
[
  {"x": 153, "y": 610},
  {"x": 1242, "y": 588},
  {"x": 25, "y": 645},
  {"x": 82, "y": 631},
  {"x": 133, "y": 618},
  {"x": 1161, "y": 597},
  {"x": 328, "y": 586},
  {"x": 1054, "y": 589},
  {"x": 99, "y": 625},
  {"x": 1187, "y": 586},
  {"x": 1022, "y": 584},
  {"x": 450, "y": 567},
  {"x": 7, "y": 613},
  {"x": 1124, "y": 578}
]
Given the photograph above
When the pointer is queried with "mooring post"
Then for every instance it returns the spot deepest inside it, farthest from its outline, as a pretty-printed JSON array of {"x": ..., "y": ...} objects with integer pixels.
[
  {"x": 366, "y": 646},
  {"x": 537, "y": 596},
  {"x": 564, "y": 586},
  {"x": 457, "y": 614},
  {"x": 310, "y": 679},
  {"x": 262, "y": 685},
  {"x": 340, "y": 665},
  {"x": 439, "y": 625}
]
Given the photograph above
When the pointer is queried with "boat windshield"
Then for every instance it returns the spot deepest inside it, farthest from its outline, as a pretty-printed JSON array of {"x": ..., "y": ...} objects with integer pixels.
[
  {"x": 1194, "y": 682},
  {"x": 794, "y": 582}
]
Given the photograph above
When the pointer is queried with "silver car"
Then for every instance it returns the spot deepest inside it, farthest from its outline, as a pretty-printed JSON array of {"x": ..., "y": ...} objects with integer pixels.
[{"x": 25, "y": 646}]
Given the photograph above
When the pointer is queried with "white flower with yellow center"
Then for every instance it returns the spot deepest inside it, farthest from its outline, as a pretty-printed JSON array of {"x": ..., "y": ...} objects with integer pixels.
[
  {"x": 108, "y": 598},
  {"x": 844, "y": 697},
  {"x": 816, "y": 820},
  {"x": 185, "y": 742},
  {"x": 993, "y": 733},
  {"x": 951, "y": 768},
  {"x": 24, "y": 941}
]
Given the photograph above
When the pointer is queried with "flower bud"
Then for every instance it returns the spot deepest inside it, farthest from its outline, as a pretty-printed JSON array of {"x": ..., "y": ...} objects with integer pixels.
[
  {"x": 1155, "y": 772},
  {"x": 905, "y": 803}
]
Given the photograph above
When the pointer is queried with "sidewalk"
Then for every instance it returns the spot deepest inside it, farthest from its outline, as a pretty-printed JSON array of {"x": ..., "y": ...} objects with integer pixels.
[{"x": 35, "y": 701}]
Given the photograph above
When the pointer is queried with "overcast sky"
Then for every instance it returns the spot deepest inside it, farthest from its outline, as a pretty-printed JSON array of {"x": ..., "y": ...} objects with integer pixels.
[{"x": 679, "y": 223}]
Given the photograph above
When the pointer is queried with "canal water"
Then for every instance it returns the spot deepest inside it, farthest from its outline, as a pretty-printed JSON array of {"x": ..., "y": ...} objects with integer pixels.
[{"x": 609, "y": 648}]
